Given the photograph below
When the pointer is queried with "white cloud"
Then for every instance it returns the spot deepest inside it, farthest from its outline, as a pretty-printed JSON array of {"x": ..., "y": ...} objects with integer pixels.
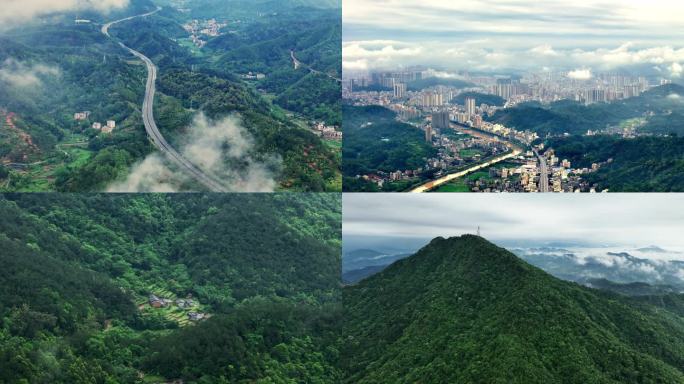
[
  {"x": 580, "y": 74},
  {"x": 628, "y": 221},
  {"x": 355, "y": 65},
  {"x": 23, "y": 75},
  {"x": 221, "y": 148},
  {"x": 544, "y": 50},
  {"x": 364, "y": 55},
  {"x": 15, "y": 12},
  {"x": 514, "y": 34}
]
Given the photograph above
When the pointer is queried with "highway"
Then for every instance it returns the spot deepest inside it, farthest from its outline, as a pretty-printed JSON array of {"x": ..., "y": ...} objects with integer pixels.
[
  {"x": 209, "y": 181},
  {"x": 298, "y": 63},
  {"x": 445, "y": 179},
  {"x": 515, "y": 151},
  {"x": 543, "y": 173}
]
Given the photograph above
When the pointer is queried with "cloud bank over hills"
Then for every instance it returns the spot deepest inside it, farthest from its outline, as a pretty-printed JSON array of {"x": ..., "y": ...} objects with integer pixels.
[{"x": 517, "y": 34}]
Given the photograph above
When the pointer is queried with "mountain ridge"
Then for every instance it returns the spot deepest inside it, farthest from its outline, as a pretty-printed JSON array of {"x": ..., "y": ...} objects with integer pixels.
[{"x": 463, "y": 310}]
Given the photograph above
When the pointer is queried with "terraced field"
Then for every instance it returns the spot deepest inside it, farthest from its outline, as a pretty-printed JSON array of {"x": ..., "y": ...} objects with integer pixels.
[{"x": 171, "y": 312}]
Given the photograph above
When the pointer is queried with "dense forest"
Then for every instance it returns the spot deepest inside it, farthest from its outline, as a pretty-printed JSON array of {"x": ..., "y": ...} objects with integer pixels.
[
  {"x": 643, "y": 164},
  {"x": 81, "y": 71},
  {"x": 374, "y": 141},
  {"x": 462, "y": 310},
  {"x": 78, "y": 271},
  {"x": 313, "y": 35}
]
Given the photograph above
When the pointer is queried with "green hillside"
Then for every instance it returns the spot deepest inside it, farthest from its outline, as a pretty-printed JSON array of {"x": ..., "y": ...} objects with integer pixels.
[
  {"x": 463, "y": 310},
  {"x": 79, "y": 271},
  {"x": 374, "y": 141},
  {"x": 642, "y": 164},
  {"x": 79, "y": 69},
  {"x": 657, "y": 106}
]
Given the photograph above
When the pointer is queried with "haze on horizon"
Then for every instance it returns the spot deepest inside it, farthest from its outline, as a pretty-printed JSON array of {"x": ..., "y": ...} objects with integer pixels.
[
  {"x": 514, "y": 35},
  {"x": 593, "y": 220}
]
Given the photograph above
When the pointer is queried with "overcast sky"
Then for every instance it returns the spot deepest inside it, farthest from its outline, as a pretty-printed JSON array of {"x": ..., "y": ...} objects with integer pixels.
[
  {"x": 630, "y": 220},
  {"x": 16, "y": 12},
  {"x": 516, "y": 34}
]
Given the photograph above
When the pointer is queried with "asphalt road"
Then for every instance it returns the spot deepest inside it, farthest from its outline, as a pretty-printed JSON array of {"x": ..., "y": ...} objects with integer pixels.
[
  {"x": 298, "y": 63},
  {"x": 209, "y": 181},
  {"x": 430, "y": 185},
  {"x": 543, "y": 173}
]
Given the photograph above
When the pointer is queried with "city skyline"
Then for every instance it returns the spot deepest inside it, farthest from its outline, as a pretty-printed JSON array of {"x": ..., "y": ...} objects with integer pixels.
[
  {"x": 514, "y": 35},
  {"x": 625, "y": 220}
]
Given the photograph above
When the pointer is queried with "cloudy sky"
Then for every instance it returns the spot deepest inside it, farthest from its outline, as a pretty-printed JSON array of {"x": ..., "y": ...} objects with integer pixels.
[
  {"x": 514, "y": 34},
  {"x": 408, "y": 220},
  {"x": 16, "y": 12}
]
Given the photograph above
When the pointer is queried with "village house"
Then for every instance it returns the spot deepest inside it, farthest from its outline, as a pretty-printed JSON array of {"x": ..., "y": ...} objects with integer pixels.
[
  {"x": 81, "y": 115},
  {"x": 327, "y": 132},
  {"x": 184, "y": 303},
  {"x": 111, "y": 124},
  {"x": 158, "y": 302},
  {"x": 196, "y": 316}
]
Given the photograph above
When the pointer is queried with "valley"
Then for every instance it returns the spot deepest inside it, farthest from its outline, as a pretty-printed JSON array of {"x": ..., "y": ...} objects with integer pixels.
[{"x": 292, "y": 144}]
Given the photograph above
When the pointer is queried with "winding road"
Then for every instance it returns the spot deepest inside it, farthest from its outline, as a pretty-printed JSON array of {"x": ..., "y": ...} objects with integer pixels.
[
  {"x": 298, "y": 63},
  {"x": 209, "y": 181}
]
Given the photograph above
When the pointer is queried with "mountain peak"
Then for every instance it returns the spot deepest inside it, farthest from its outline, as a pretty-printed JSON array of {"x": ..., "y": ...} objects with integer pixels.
[{"x": 465, "y": 310}]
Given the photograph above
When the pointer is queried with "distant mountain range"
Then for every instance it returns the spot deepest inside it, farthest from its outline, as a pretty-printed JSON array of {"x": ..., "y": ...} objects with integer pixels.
[
  {"x": 619, "y": 267},
  {"x": 362, "y": 258},
  {"x": 623, "y": 272},
  {"x": 462, "y": 310}
]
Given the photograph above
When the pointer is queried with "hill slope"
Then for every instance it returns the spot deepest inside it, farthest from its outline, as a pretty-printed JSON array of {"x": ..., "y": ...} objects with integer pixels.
[
  {"x": 78, "y": 272},
  {"x": 463, "y": 310}
]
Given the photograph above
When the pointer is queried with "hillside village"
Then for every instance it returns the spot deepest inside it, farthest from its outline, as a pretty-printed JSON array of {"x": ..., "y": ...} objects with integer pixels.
[
  {"x": 183, "y": 311},
  {"x": 107, "y": 128}
]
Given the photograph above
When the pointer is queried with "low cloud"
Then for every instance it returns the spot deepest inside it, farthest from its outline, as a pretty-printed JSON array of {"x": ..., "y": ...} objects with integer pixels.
[
  {"x": 222, "y": 149},
  {"x": 580, "y": 74},
  {"x": 22, "y": 75},
  {"x": 16, "y": 12},
  {"x": 150, "y": 175},
  {"x": 389, "y": 55},
  {"x": 225, "y": 148},
  {"x": 443, "y": 74}
]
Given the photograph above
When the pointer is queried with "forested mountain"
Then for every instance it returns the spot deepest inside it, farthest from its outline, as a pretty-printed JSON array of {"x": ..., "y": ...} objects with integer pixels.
[
  {"x": 74, "y": 68},
  {"x": 79, "y": 272},
  {"x": 656, "y": 105},
  {"x": 266, "y": 46},
  {"x": 462, "y": 310},
  {"x": 642, "y": 164}
]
